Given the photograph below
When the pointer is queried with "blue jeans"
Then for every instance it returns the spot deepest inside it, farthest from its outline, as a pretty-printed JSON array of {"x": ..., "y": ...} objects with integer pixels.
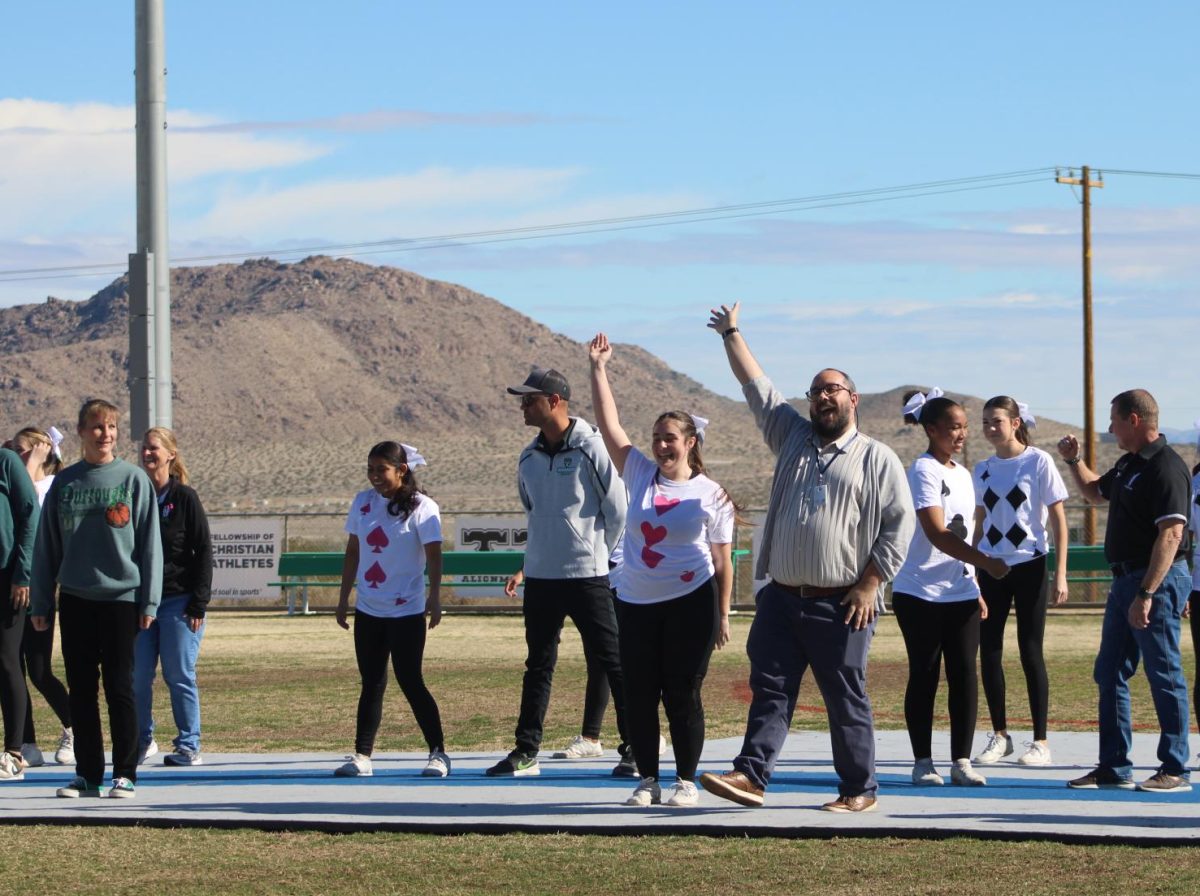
[
  {"x": 1157, "y": 648},
  {"x": 170, "y": 640}
]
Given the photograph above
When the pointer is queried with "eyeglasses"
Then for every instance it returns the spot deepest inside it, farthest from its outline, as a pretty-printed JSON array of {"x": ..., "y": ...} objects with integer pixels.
[
  {"x": 530, "y": 398},
  {"x": 825, "y": 391}
]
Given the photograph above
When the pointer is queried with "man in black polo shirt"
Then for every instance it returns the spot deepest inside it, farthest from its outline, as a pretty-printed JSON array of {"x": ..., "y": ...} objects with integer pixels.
[{"x": 1148, "y": 492}]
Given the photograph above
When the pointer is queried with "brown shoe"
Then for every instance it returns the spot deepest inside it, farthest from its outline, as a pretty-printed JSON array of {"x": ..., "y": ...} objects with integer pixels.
[
  {"x": 733, "y": 786},
  {"x": 862, "y": 803}
]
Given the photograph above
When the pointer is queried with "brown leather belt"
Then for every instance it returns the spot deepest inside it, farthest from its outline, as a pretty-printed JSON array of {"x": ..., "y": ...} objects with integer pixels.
[{"x": 812, "y": 590}]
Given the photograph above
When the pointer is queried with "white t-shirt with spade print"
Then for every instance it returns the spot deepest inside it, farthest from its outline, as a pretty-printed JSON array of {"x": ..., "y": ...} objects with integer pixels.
[
  {"x": 668, "y": 532},
  {"x": 1014, "y": 493},
  {"x": 927, "y": 572},
  {"x": 391, "y": 553}
]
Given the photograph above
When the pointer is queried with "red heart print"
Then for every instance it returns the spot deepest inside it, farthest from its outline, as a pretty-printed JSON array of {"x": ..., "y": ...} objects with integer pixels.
[
  {"x": 653, "y": 534},
  {"x": 651, "y": 558},
  {"x": 688, "y": 576},
  {"x": 662, "y": 505}
]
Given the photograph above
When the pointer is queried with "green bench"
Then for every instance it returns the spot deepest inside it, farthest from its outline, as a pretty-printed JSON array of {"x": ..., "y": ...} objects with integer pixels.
[
  {"x": 1085, "y": 563},
  {"x": 301, "y": 570}
]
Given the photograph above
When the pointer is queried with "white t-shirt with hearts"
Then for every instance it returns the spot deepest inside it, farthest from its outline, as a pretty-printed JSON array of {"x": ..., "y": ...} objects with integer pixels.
[
  {"x": 669, "y": 529},
  {"x": 391, "y": 553}
]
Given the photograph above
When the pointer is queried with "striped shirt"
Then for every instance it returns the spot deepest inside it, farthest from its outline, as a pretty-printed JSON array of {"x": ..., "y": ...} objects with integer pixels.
[{"x": 832, "y": 509}]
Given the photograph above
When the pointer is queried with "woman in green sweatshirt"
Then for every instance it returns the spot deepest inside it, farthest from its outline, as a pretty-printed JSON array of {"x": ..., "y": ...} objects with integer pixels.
[
  {"x": 18, "y": 521},
  {"x": 98, "y": 541}
]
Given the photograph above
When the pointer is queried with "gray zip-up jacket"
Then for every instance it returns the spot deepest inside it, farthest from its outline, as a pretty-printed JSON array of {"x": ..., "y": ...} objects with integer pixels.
[{"x": 575, "y": 505}]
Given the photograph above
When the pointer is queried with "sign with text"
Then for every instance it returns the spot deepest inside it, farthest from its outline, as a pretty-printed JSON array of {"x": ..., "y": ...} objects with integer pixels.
[
  {"x": 246, "y": 552},
  {"x": 487, "y": 533}
]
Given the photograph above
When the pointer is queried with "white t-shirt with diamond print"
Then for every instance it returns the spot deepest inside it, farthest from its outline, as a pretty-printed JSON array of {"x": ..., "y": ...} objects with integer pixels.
[{"x": 1015, "y": 494}]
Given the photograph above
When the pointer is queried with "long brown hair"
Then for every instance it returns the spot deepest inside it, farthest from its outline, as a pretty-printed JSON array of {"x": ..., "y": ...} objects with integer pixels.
[
  {"x": 30, "y": 436},
  {"x": 695, "y": 459},
  {"x": 1010, "y": 407}
]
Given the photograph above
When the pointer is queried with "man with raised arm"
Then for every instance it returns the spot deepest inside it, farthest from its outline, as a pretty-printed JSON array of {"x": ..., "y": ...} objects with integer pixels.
[
  {"x": 839, "y": 522},
  {"x": 1148, "y": 492}
]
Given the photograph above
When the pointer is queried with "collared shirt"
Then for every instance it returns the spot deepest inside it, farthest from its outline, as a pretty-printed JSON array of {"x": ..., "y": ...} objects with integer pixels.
[
  {"x": 833, "y": 509},
  {"x": 1143, "y": 489}
]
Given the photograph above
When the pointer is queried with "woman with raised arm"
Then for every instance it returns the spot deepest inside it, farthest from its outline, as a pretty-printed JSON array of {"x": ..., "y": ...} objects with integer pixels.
[
  {"x": 935, "y": 597},
  {"x": 1019, "y": 496},
  {"x": 674, "y": 587},
  {"x": 41, "y": 451},
  {"x": 174, "y": 637},
  {"x": 394, "y": 532}
]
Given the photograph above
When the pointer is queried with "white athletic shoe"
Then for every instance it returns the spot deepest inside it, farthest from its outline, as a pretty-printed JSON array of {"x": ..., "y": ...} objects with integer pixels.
[
  {"x": 438, "y": 765},
  {"x": 147, "y": 750},
  {"x": 683, "y": 795},
  {"x": 65, "y": 754},
  {"x": 925, "y": 775},
  {"x": 10, "y": 767},
  {"x": 356, "y": 766},
  {"x": 962, "y": 774},
  {"x": 648, "y": 793},
  {"x": 1035, "y": 755},
  {"x": 581, "y": 748},
  {"x": 998, "y": 746},
  {"x": 32, "y": 755}
]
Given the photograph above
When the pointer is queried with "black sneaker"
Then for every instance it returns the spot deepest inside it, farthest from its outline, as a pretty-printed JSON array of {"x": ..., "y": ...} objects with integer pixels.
[
  {"x": 626, "y": 768},
  {"x": 1102, "y": 779},
  {"x": 515, "y": 765}
]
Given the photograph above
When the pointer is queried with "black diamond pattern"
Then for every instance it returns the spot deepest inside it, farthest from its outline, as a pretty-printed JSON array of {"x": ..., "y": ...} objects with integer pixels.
[
  {"x": 994, "y": 535},
  {"x": 1016, "y": 535},
  {"x": 990, "y": 498},
  {"x": 985, "y": 476},
  {"x": 945, "y": 488},
  {"x": 1016, "y": 497}
]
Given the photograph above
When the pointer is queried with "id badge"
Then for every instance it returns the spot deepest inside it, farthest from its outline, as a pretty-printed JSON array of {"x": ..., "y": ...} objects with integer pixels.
[{"x": 819, "y": 494}]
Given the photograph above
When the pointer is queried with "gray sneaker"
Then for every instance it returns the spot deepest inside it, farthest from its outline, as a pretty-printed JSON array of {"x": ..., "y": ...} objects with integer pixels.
[
  {"x": 998, "y": 746},
  {"x": 182, "y": 757},
  {"x": 1161, "y": 782},
  {"x": 626, "y": 767},
  {"x": 515, "y": 765}
]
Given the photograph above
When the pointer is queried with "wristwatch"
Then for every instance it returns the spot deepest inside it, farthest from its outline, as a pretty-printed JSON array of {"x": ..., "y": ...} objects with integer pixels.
[{"x": 1143, "y": 594}]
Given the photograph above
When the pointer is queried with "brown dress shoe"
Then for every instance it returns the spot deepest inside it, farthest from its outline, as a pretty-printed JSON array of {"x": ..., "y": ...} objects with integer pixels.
[
  {"x": 861, "y": 803},
  {"x": 733, "y": 786}
]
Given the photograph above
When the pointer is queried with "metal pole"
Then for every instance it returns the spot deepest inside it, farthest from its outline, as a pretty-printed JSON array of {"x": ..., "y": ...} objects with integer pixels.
[
  {"x": 151, "y": 93},
  {"x": 141, "y": 336},
  {"x": 1089, "y": 398}
]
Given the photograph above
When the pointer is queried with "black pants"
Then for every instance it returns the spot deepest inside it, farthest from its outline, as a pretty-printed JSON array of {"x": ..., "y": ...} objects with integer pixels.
[
  {"x": 13, "y": 696},
  {"x": 36, "y": 648},
  {"x": 933, "y": 632},
  {"x": 403, "y": 640},
  {"x": 547, "y": 604},
  {"x": 1024, "y": 586},
  {"x": 665, "y": 649},
  {"x": 595, "y": 696},
  {"x": 1194, "y": 622},
  {"x": 97, "y": 642}
]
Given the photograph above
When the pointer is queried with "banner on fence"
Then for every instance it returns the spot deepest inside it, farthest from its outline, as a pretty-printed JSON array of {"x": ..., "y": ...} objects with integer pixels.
[
  {"x": 246, "y": 552},
  {"x": 488, "y": 533}
]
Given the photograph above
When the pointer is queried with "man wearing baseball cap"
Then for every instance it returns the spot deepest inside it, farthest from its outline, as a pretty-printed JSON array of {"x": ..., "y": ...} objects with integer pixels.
[{"x": 575, "y": 506}]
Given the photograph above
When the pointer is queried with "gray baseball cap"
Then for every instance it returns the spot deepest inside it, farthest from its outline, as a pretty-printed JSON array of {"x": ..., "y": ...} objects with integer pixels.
[{"x": 544, "y": 380}]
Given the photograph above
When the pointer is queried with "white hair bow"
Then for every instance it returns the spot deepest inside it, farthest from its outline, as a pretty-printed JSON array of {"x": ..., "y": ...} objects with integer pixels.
[
  {"x": 414, "y": 456},
  {"x": 1197, "y": 425},
  {"x": 56, "y": 439},
  {"x": 1027, "y": 418},
  {"x": 917, "y": 402},
  {"x": 700, "y": 423}
]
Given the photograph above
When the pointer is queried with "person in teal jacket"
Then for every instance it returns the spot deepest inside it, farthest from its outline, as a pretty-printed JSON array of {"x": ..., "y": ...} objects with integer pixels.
[
  {"x": 98, "y": 541},
  {"x": 18, "y": 523}
]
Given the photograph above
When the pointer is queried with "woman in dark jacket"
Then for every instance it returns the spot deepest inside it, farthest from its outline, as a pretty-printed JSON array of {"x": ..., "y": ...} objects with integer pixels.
[{"x": 174, "y": 637}]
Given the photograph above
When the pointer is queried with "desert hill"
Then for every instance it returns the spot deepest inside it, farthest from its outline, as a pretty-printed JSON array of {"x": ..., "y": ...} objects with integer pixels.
[{"x": 286, "y": 373}]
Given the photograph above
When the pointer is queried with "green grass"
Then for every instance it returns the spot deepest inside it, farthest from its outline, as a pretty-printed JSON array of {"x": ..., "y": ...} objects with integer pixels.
[{"x": 272, "y": 683}]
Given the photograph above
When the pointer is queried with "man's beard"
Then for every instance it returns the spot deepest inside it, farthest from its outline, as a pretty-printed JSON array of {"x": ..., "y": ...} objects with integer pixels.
[{"x": 841, "y": 422}]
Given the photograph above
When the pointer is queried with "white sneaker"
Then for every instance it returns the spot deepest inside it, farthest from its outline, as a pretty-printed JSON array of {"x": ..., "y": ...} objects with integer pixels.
[
  {"x": 10, "y": 767},
  {"x": 65, "y": 754},
  {"x": 147, "y": 750},
  {"x": 648, "y": 793},
  {"x": 998, "y": 746},
  {"x": 662, "y": 745},
  {"x": 32, "y": 755},
  {"x": 962, "y": 774},
  {"x": 925, "y": 775},
  {"x": 581, "y": 748},
  {"x": 438, "y": 765},
  {"x": 1035, "y": 755},
  {"x": 356, "y": 766},
  {"x": 683, "y": 794}
]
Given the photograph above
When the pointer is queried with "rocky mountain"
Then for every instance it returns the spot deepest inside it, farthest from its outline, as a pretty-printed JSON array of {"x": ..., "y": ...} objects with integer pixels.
[{"x": 285, "y": 374}]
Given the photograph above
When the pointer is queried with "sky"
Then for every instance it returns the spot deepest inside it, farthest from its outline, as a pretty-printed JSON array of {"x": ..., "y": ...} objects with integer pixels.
[{"x": 302, "y": 127}]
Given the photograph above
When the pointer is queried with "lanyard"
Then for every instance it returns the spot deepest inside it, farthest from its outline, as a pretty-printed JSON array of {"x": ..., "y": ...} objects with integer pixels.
[{"x": 838, "y": 453}]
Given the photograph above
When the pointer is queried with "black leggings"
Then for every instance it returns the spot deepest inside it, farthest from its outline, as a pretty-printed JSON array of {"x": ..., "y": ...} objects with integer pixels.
[
  {"x": 36, "y": 648},
  {"x": 934, "y": 631},
  {"x": 13, "y": 695},
  {"x": 1024, "y": 585},
  {"x": 665, "y": 648},
  {"x": 403, "y": 639},
  {"x": 1194, "y": 622}
]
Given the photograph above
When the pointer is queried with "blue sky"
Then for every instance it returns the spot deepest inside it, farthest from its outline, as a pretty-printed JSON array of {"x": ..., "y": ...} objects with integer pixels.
[{"x": 295, "y": 125}]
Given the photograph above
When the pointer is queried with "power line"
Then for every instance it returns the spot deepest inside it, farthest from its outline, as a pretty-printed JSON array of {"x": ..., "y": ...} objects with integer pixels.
[{"x": 576, "y": 228}]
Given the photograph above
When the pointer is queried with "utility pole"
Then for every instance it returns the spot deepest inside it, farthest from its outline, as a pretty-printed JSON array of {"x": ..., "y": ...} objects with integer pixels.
[
  {"x": 149, "y": 271},
  {"x": 1089, "y": 419}
]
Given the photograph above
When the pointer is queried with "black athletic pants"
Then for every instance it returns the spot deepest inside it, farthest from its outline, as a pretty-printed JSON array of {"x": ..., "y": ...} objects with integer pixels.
[
  {"x": 1023, "y": 586},
  {"x": 13, "y": 696},
  {"x": 36, "y": 648}
]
